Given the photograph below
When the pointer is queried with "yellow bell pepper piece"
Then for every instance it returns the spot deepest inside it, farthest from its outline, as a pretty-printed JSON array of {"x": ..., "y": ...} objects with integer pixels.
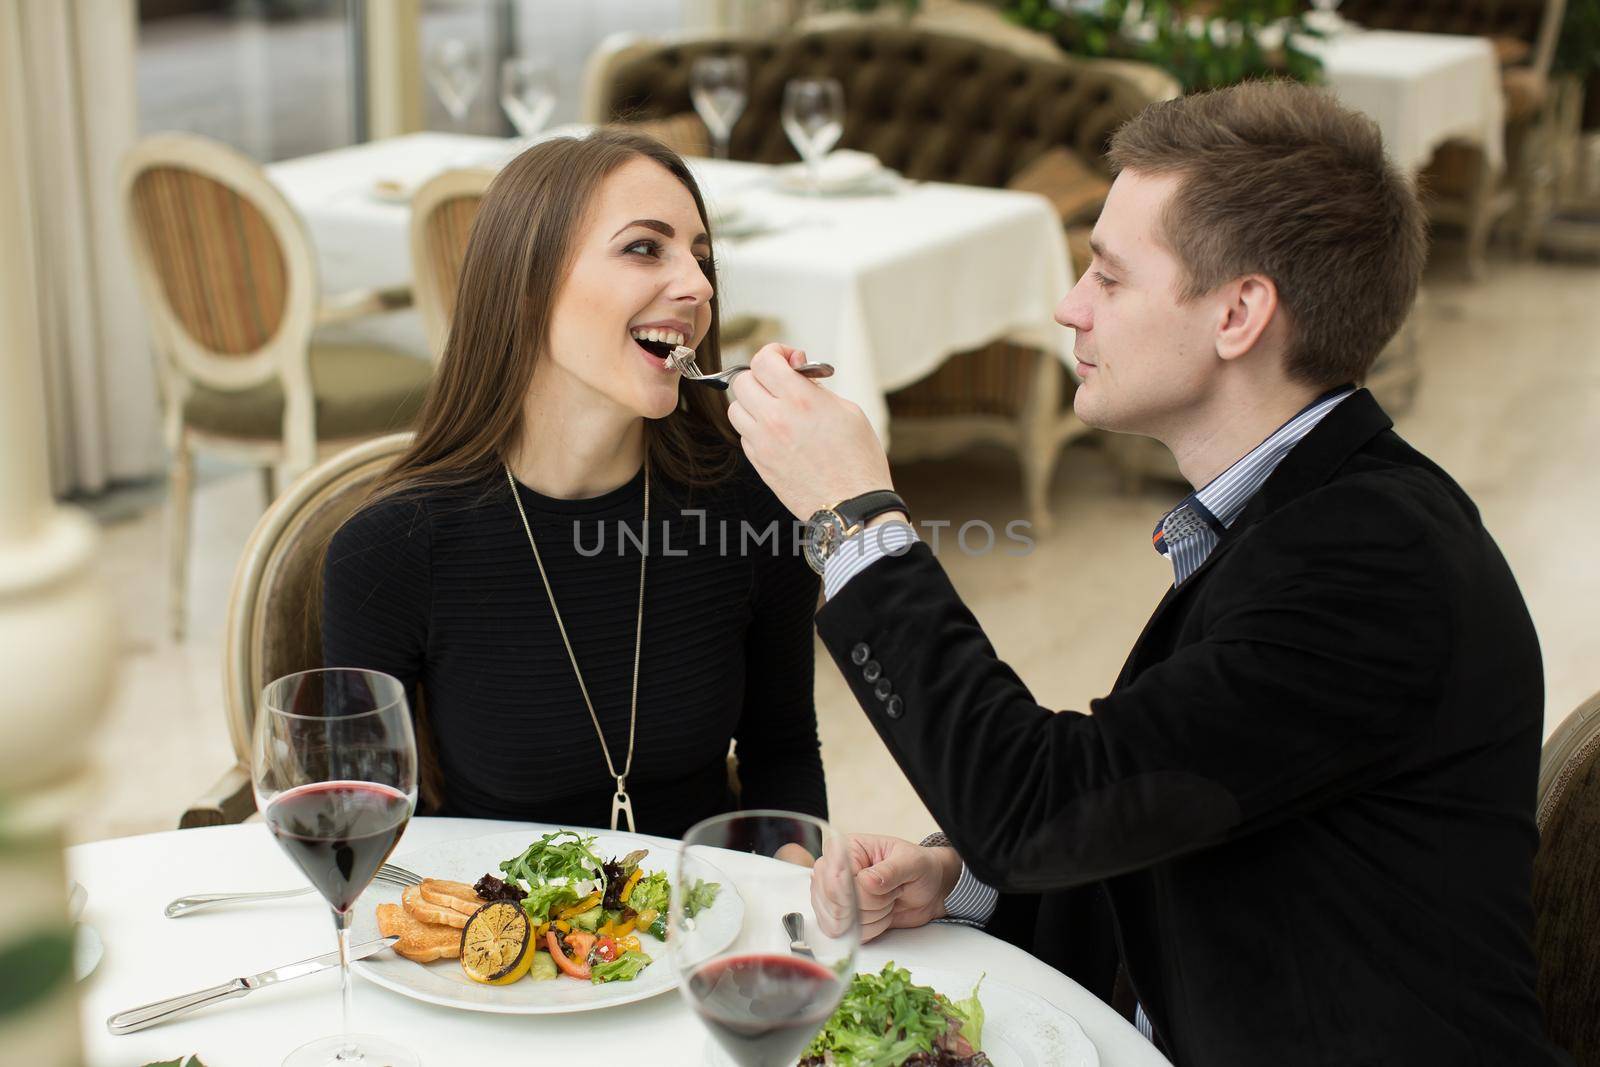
[
  {"x": 633, "y": 880},
  {"x": 580, "y": 907}
]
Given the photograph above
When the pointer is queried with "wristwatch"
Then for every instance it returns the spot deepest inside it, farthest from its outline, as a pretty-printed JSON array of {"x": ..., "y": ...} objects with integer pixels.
[{"x": 827, "y": 528}]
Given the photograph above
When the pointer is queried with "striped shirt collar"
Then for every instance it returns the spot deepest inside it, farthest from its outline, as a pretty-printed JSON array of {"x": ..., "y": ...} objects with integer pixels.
[{"x": 1188, "y": 533}]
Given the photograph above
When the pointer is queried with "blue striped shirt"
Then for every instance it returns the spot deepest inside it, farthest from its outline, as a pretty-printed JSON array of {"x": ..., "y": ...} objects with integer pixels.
[{"x": 1187, "y": 534}]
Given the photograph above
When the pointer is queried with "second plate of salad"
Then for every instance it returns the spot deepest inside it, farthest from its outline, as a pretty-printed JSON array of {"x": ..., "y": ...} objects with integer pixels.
[{"x": 520, "y": 923}]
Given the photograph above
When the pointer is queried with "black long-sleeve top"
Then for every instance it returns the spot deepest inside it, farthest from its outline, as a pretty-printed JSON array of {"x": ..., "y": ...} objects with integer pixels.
[{"x": 439, "y": 588}]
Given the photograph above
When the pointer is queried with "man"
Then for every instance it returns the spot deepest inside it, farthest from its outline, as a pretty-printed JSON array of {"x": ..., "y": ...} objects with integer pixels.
[{"x": 1299, "y": 829}]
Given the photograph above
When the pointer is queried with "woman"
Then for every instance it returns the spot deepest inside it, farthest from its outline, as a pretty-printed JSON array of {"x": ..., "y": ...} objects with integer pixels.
[{"x": 572, "y": 668}]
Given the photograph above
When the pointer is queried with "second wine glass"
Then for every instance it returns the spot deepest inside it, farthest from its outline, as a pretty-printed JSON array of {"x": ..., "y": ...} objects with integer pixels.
[
  {"x": 813, "y": 117},
  {"x": 455, "y": 70},
  {"x": 761, "y": 998},
  {"x": 528, "y": 93},
  {"x": 718, "y": 87}
]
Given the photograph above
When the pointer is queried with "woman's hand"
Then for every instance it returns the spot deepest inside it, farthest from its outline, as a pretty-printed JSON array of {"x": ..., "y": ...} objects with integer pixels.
[{"x": 898, "y": 884}]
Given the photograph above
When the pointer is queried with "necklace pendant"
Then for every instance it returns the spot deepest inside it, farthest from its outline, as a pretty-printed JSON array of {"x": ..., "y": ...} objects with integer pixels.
[{"x": 622, "y": 805}]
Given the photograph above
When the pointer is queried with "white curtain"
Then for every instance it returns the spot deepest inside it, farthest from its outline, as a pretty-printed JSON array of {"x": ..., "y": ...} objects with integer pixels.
[{"x": 76, "y": 88}]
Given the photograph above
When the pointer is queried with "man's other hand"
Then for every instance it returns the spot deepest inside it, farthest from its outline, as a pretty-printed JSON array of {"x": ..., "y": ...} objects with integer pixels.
[{"x": 898, "y": 884}]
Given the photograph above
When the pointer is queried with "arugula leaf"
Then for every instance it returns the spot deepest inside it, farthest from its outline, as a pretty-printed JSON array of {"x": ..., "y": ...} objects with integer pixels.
[
  {"x": 552, "y": 857},
  {"x": 625, "y": 968}
]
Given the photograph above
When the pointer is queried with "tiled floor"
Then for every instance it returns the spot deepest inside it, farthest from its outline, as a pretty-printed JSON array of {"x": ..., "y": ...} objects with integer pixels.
[{"x": 1509, "y": 403}]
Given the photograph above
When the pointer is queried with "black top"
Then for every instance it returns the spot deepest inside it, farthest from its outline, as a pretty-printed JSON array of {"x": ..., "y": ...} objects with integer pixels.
[
  {"x": 1303, "y": 817},
  {"x": 441, "y": 588}
]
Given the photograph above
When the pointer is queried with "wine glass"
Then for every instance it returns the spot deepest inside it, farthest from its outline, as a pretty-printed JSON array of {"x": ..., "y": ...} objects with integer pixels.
[
  {"x": 717, "y": 85},
  {"x": 813, "y": 117},
  {"x": 528, "y": 93},
  {"x": 762, "y": 1002},
  {"x": 334, "y": 765},
  {"x": 455, "y": 70}
]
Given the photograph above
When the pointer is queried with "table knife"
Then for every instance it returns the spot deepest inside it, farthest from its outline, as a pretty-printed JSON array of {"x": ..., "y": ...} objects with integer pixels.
[{"x": 126, "y": 1022}]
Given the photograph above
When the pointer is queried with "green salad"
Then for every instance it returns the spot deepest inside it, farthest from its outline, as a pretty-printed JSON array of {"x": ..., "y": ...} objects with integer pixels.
[
  {"x": 586, "y": 913},
  {"x": 886, "y": 1019}
]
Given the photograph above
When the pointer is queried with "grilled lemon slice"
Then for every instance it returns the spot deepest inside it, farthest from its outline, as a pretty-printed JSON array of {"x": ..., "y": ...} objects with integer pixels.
[{"x": 494, "y": 944}]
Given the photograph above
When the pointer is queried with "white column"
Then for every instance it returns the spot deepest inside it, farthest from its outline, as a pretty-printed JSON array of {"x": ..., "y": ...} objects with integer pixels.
[
  {"x": 56, "y": 640},
  {"x": 394, "y": 68}
]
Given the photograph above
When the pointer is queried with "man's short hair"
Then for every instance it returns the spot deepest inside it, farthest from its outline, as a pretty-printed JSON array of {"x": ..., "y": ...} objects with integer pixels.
[{"x": 1275, "y": 178}]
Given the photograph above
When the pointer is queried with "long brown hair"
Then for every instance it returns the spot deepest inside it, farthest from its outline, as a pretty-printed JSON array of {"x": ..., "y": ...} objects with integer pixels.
[{"x": 518, "y": 253}]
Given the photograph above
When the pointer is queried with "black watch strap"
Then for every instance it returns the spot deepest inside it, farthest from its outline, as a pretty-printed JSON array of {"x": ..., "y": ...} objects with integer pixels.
[{"x": 860, "y": 510}]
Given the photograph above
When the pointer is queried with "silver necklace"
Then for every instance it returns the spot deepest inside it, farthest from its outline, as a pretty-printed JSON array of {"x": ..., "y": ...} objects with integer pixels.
[{"x": 621, "y": 805}]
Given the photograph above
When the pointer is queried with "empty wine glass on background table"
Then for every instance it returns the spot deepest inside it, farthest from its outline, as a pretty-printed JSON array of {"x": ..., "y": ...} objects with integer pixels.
[
  {"x": 718, "y": 85},
  {"x": 455, "y": 70},
  {"x": 334, "y": 765},
  {"x": 813, "y": 117},
  {"x": 763, "y": 1001},
  {"x": 528, "y": 93}
]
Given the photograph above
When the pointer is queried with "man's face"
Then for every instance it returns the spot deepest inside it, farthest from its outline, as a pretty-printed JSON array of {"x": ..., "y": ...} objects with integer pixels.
[{"x": 1144, "y": 358}]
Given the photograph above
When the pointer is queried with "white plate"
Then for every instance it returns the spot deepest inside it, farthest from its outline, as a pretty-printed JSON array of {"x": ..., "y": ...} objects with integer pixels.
[
  {"x": 443, "y": 982},
  {"x": 840, "y": 172},
  {"x": 1020, "y": 1029}
]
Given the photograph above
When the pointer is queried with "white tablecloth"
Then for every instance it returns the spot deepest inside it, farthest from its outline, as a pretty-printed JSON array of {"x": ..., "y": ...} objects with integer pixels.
[
  {"x": 148, "y": 956},
  {"x": 1422, "y": 89},
  {"x": 884, "y": 287}
]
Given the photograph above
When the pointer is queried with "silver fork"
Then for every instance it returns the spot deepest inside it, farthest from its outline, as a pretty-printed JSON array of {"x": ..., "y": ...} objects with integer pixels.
[
  {"x": 388, "y": 873},
  {"x": 682, "y": 361}
]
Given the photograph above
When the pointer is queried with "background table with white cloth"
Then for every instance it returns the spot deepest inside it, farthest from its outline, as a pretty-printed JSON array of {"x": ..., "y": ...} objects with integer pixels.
[
  {"x": 1422, "y": 89},
  {"x": 884, "y": 286},
  {"x": 148, "y": 956}
]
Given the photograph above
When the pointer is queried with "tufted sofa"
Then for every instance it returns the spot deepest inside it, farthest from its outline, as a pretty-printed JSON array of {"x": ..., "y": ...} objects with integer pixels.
[{"x": 935, "y": 107}]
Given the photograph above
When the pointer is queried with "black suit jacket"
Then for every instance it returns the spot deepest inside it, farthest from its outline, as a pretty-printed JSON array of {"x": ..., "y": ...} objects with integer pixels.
[{"x": 1303, "y": 817}]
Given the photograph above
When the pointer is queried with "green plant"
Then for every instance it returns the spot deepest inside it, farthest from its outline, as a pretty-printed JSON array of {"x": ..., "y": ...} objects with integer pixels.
[
  {"x": 1578, "y": 51},
  {"x": 1203, "y": 43}
]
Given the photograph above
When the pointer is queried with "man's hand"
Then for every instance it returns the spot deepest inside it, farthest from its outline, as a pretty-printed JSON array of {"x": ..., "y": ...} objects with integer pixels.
[
  {"x": 898, "y": 884},
  {"x": 812, "y": 448}
]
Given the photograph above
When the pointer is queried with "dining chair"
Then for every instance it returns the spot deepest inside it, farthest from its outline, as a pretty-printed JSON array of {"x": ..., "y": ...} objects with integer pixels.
[
  {"x": 273, "y": 625},
  {"x": 442, "y": 213},
  {"x": 230, "y": 286},
  {"x": 1566, "y": 884}
]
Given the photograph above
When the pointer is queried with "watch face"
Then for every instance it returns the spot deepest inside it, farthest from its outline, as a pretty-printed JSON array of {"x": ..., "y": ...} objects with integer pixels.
[{"x": 824, "y": 531}]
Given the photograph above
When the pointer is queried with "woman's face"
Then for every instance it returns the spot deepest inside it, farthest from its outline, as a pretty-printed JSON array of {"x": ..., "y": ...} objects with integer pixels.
[{"x": 637, "y": 266}]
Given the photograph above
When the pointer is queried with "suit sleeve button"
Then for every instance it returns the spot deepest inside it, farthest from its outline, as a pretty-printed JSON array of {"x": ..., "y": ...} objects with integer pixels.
[
  {"x": 882, "y": 689},
  {"x": 860, "y": 654},
  {"x": 895, "y": 708},
  {"x": 872, "y": 671}
]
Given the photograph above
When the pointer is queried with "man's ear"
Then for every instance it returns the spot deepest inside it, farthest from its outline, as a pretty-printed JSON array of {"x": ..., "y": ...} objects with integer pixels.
[{"x": 1251, "y": 308}]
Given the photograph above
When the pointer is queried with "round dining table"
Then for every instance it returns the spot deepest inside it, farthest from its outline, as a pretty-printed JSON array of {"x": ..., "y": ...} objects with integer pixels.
[{"x": 147, "y": 956}]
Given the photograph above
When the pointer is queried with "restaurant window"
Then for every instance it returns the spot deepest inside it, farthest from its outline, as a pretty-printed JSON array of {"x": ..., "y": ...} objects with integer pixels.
[{"x": 273, "y": 78}]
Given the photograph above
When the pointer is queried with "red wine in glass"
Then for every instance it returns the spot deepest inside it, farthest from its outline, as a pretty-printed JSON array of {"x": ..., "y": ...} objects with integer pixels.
[
  {"x": 763, "y": 1009},
  {"x": 339, "y": 833}
]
